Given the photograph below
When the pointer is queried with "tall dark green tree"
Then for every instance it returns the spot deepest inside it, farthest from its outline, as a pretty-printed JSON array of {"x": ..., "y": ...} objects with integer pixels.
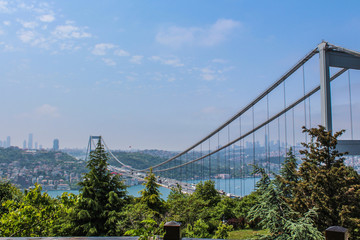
[
  {"x": 277, "y": 215},
  {"x": 102, "y": 197},
  {"x": 288, "y": 179},
  {"x": 150, "y": 195},
  {"x": 327, "y": 184}
]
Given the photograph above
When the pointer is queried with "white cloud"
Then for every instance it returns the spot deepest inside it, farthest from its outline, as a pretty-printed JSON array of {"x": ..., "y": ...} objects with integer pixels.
[
  {"x": 207, "y": 74},
  {"x": 69, "y": 31},
  {"x": 109, "y": 61},
  {"x": 4, "y": 7},
  {"x": 47, "y": 18},
  {"x": 209, "y": 36},
  {"x": 176, "y": 36},
  {"x": 26, "y": 36},
  {"x": 47, "y": 110},
  {"x": 30, "y": 25},
  {"x": 219, "y": 31},
  {"x": 7, "y": 23},
  {"x": 6, "y": 47},
  {"x": 121, "y": 53},
  {"x": 101, "y": 48},
  {"x": 136, "y": 59},
  {"x": 218, "y": 60},
  {"x": 175, "y": 62}
]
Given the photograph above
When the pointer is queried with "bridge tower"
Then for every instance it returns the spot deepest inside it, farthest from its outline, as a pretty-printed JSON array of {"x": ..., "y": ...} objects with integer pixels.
[
  {"x": 333, "y": 56},
  {"x": 90, "y": 144}
]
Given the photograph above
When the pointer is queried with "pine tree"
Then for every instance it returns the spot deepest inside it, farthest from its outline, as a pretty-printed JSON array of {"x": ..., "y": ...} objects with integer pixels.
[
  {"x": 288, "y": 179},
  {"x": 102, "y": 197},
  {"x": 150, "y": 195}
]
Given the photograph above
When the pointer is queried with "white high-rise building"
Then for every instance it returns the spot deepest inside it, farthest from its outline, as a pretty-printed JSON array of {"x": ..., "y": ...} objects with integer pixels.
[{"x": 30, "y": 142}]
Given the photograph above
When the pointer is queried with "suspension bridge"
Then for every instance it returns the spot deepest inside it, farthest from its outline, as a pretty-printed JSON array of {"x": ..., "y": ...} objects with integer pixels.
[{"x": 263, "y": 131}]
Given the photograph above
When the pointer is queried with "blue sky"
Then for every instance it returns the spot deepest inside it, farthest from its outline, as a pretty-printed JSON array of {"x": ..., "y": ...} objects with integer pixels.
[{"x": 150, "y": 74}]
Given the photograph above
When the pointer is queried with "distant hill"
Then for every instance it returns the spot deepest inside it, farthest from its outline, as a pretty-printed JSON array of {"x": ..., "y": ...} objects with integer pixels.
[
  {"x": 53, "y": 169},
  {"x": 49, "y": 168},
  {"x": 141, "y": 159}
]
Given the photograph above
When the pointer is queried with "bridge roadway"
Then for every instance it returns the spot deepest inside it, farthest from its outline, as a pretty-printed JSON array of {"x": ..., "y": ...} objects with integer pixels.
[{"x": 161, "y": 181}]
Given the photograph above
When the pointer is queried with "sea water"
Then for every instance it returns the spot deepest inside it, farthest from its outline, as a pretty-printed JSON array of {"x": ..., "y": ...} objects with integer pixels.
[{"x": 238, "y": 186}]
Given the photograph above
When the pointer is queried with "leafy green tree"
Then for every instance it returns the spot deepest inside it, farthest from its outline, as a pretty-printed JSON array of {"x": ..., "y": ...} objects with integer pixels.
[
  {"x": 188, "y": 208},
  {"x": 150, "y": 195},
  {"x": 198, "y": 230},
  {"x": 8, "y": 192},
  {"x": 243, "y": 207},
  {"x": 225, "y": 209},
  {"x": 277, "y": 216},
  {"x": 101, "y": 199},
  {"x": 32, "y": 216},
  {"x": 327, "y": 184},
  {"x": 133, "y": 216},
  {"x": 207, "y": 192},
  {"x": 149, "y": 230},
  {"x": 222, "y": 231},
  {"x": 66, "y": 204}
]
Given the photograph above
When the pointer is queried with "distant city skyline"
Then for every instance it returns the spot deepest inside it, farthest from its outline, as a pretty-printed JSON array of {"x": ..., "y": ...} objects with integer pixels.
[{"x": 155, "y": 74}]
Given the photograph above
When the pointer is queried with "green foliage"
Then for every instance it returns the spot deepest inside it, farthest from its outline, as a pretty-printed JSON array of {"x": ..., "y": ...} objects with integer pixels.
[
  {"x": 277, "y": 216},
  {"x": 327, "y": 184},
  {"x": 139, "y": 160},
  {"x": 222, "y": 231},
  {"x": 207, "y": 192},
  {"x": 198, "y": 230},
  {"x": 186, "y": 208},
  {"x": 33, "y": 216},
  {"x": 245, "y": 203},
  {"x": 225, "y": 209},
  {"x": 149, "y": 230},
  {"x": 133, "y": 215},
  {"x": 288, "y": 178},
  {"x": 102, "y": 197},
  {"x": 8, "y": 192},
  {"x": 150, "y": 195}
]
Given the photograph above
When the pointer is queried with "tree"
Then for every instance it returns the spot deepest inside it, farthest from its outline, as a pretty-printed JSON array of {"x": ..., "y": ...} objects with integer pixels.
[
  {"x": 149, "y": 230},
  {"x": 277, "y": 215},
  {"x": 101, "y": 199},
  {"x": 8, "y": 192},
  {"x": 198, "y": 230},
  {"x": 207, "y": 192},
  {"x": 288, "y": 178},
  {"x": 33, "y": 216},
  {"x": 327, "y": 184},
  {"x": 222, "y": 232},
  {"x": 150, "y": 195}
]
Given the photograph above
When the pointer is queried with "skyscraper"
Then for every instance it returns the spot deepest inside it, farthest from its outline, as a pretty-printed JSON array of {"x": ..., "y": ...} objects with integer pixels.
[
  {"x": 24, "y": 144},
  {"x": 56, "y": 144},
  {"x": 30, "y": 142},
  {"x": 8, "y": 141}
]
